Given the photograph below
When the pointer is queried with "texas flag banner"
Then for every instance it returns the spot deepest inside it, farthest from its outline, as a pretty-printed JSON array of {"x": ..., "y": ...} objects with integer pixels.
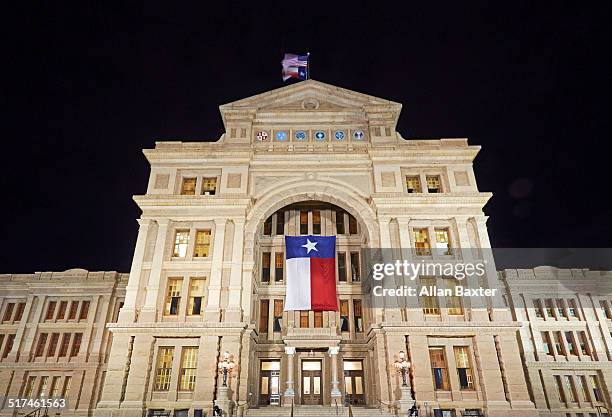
[{"x": 311, "y": 273}]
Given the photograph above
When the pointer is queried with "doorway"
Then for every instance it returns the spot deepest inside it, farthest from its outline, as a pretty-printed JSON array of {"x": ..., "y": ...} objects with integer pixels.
[
  {"x": 269, "y": 383},
  {"x": 311, "y": 382},
  {"x": 353, "y": 383}
]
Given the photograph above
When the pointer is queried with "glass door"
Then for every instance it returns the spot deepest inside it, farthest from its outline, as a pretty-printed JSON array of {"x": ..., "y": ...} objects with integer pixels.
[
  {"x": 269, "y": 383},
  {"x": 311, "y": 383},
  {"x": 353, "y": 383}
]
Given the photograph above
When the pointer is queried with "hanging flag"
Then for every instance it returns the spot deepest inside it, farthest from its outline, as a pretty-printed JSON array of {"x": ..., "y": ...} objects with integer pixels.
[
  {"x": 311, "y": 273},
  {"x": 295, "y": 66}
]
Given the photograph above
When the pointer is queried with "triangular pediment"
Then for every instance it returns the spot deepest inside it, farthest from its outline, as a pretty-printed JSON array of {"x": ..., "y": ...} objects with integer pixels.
[{"x": 310, "y": 96}]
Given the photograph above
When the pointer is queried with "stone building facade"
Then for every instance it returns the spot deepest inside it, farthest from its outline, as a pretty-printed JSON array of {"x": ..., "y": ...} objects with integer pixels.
[{"x": 208, "y": 275}]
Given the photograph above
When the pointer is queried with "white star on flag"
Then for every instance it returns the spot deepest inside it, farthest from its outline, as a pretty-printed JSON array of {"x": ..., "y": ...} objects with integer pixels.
[{"x": 310, "y": 246}]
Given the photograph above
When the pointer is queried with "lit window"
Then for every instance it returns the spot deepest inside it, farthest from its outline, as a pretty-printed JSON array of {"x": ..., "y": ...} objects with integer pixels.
[
  {"x": 344, "y": 316},
  {"x": 304, "y": 319},
  {"x": 464, "y": 370},
  {"x": 279, "y": 261},
  {"x": 560, "y": 392},
  {"x": 209, "y": 186},
  {"x": 84, "y": 310},
  {"x": 27, "y": 393},
  {"x": 421, "y": 242},
  {"x": 341, "y": 267},
  {"x": 561, "y": 308},
  {"x": 66, "y": 388},
  {"x": 50, "y": 310},
  {"x": 278, "y": 316},
  {"x": 202, "y": 244},
  {"x": 571, "y": 308},
  {"x": 438, "y": 368},
  {"x": 595, "y": 388},
  {"x": 549, "y": 308},
  {"x": 163, "y": 370},
  {"x": 303, "y": 222},
  {"x": 442, "y": 242},
  {"x": 280, "y": 223},
  {"x": 181, "y": 240},
  {"x": 339, "y": 222},
  {"x": 189, "y": 364},
  {"x": 196, "y": 296},
  {"x": 355, "y": 269},
  {"x": 264, "y": 307},
  {"x": 55, "y": 387},
  {"x": 76, "y": 344},
  {"x": 268, "y": 226},
  {"x": 583, "y": 387},
  {"x": 265, "y": 266},
  {"x": 413, "y": 184},
  {"x": 188, "y": 186},
  {"x": 42, "y": 387},
  {"x": 569, "y": 384},
  {"x": 318, "y": 319},
  {"x": 316, "y": 222},
  {"x": 569, "y": 338},
  {"x": 453, "y": 302},
  {"x": 429, "y": 302},
  {"x": 358, "y": 315},
  {"x": 433, "y": 184},
  {"x": 173, "y": 297}
]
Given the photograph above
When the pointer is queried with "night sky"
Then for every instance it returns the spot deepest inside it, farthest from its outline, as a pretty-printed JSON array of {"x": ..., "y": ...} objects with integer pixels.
[{"x": 86, "y": 88}]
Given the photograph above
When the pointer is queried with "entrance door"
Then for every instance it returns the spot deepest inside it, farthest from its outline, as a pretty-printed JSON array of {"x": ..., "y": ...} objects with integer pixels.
[
  {"x": 311, "y": 383},
  {"x": 353, "y": 382},
  {"x": 269, "y": 383}
]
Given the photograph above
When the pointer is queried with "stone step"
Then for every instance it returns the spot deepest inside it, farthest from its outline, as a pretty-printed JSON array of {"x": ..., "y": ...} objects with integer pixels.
[{"x": 316, "y": 411}]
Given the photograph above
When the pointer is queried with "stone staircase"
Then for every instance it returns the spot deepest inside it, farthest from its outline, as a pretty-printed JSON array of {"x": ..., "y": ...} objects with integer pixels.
[{"x": 316, "y": 411}]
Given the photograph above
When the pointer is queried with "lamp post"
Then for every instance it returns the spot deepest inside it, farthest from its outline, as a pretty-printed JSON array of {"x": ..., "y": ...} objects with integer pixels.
[
  {"x": 226, "y": 366},
  {"x": 402, "y": 366}
]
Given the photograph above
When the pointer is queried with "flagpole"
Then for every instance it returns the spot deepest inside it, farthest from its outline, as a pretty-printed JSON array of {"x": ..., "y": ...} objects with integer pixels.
[{"x": 308, "y": 66}]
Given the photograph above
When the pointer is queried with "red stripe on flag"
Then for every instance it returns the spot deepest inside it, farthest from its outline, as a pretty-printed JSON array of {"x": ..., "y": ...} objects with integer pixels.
[{"x": 323, "y": 284}]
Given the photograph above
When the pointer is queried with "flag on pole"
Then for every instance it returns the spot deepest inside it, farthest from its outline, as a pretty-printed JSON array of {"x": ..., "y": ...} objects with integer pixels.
[
  {"x": 295, "y": 66},
  {"x": 311, "y": 273}
]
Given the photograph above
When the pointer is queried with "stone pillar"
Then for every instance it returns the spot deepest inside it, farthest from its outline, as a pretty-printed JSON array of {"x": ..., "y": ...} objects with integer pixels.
[
  {"x": 333, "y": 355},
  {"x": 234, "y": 311},
  {"x": 128, "y": 312},
  {"x": 289, "y": 394},
  {"x": 391, "y": 308},
  {"x": 149, "y": 311},
  {"x": 212, "y": 312},
  {"x": 414, "y": 312}
]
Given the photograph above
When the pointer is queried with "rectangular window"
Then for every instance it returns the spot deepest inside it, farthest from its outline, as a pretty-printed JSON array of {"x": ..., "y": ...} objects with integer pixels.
[
  {"x": 304, "y": 319},
  {"x": 10, "y": 339},
  {"x": 571, "y": 390},
  {"x": 264, "y": 307},
  {"x": 202, "y": 244},
  {"x": 571, "y": 345},
  {"x": 583, "y": 388},
  {"x": 421, "y": 242},
  {"x": 29, "y": 388},
  {"x": 429, "y": 302},
  {"x": 316, "y": 222},
  {"x": 464, "y": 370},
  {"x": 606, "y": 309},
  {"x": 265, "y": 266},
  {"x": 50, "y": 310},
  {"x": 438, "y": 368},
  {"x": 443, "y": 246},
  {"x": 303, "y": 222},
  {"x": 318, "y": 319},
  {"x": 267, "y": 231},
  {"x": 84, "y": 310},
  {"x": 413, "y": 184},
  {"x": 339, "y": 222},
  {"x": 189, "y": 364},
  {"x": 54, "y": 390},
  {"x": 584, "y": 343},
  {"x": 546, "y": 342},
  {"x": 454, "y": 306},
  {"x": 595, "y": 388},
  {"x": 76, "y": 344},
  {"x": 40, "y": 347},
  {"x": 571, "y": 308},
  {"x": 74, "y": 306},
  {"x": 341, "y": 266},
  {"x": 278, "y": 316},
  {"x": 279, "y": 261},
  {"x": 560, "y": 308},
  {"x": 188, "y": 186},
  {"x": 209, "y": 186},
  {"x": 8, "y": 312},
  {"x": 357, "y": 313},
  {"x": 19, "y": 312},
  {"x": 280, "y": 223},
  {"x": 163, "y": 369},
  {"x": 433, "y": 184},
  {"x": 344, "y": 316},
  {"x": 352, "y": 225},
  {"x": 355, "y": 267},
  {"x": 549, "y": 308},
  {"x": 64, "y": 345},
  {"x": 181, "y": 240},
  {"x": 537, "y": 308},
  {"x": 559, "y": 343},
  {"x": 173, "y": 296},
  {"x": 42, "y": 387},
  {"x": 196, "y": 296},
  {"x": 66, "y": 388},
  {"x": 560, "y": 392},
  {"x": 61, "y": 313},
  {"x": 53, "y": 344}
]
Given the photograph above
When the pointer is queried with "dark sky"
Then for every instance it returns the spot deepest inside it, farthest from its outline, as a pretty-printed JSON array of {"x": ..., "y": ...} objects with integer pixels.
[{"x": 85, "y": 88}]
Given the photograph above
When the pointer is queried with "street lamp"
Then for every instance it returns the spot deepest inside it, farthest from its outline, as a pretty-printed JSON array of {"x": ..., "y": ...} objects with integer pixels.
[
  {"x": 402, "y": 365},
  {"x": 226, "y": 366}
]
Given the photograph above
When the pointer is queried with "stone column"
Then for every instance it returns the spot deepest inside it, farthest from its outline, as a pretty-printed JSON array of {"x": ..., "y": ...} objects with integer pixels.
[
  {"x": 128, "y": 312},
  {"x": 149, "y": 311},
  {"x": 333, "y": 355},
  {"x": 289, "y": 394},
  {"x": 211, "y": 313},
  {"x": 234, "y": 312}
]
